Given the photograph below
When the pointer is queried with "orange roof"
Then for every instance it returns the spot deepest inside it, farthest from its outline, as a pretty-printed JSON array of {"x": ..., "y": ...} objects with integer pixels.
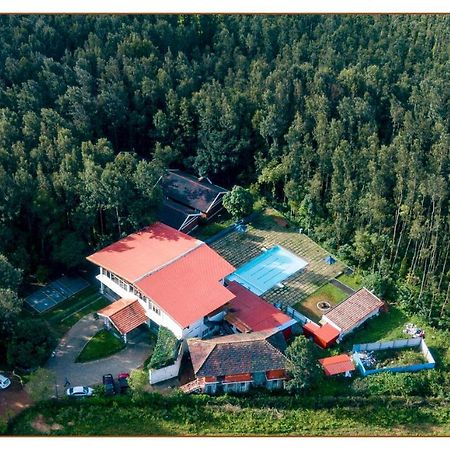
[
  {"x": 143, "y": 252},
  {"x": 126, "y": 315},
  {"x": 337, "y": 364},
  {"x": 279, "y": 374},
  {"x": 251, "y": 312},
  {"x": 238, "y": 377},
  {"x": 327, "y": 333},
  {"x": 312, "y": 327},
  {"x": 190, "y": 288}
]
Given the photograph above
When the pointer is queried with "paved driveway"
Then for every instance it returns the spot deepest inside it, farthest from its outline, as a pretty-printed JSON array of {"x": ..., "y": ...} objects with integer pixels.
[{"x": 87, "y": 374}]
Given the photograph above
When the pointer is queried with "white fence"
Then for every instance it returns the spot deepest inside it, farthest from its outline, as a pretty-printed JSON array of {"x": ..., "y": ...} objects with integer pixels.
[
  {"x": 296, "y": 315},
  {"x": 398, "y": 343},
  {"x": 168, "y": 372}
]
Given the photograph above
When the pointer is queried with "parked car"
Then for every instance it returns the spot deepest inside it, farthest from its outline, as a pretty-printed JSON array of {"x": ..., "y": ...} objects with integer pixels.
[
  {"x": 108, "y": 383},
  {"x": 4, "y": 382},
  {"x": 80, "y": 391},
  {"x": 122, "y": 380}
]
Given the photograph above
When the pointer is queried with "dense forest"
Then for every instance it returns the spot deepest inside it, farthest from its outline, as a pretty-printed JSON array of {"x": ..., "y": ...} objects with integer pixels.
[{"x": 341, "y": 121}]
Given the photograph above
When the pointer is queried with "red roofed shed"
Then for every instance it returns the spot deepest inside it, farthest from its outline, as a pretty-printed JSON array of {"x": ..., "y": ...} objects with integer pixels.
[
  {"x": 337, "y": 364},
  {"x": 323, "y": 336}
]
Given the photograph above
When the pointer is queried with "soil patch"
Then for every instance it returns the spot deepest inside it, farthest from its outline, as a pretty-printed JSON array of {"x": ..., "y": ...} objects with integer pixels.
[{"x": 39, "y": 424}]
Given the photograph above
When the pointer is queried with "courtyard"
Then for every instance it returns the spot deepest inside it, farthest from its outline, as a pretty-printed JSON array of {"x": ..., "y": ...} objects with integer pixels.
[{"x": 267, "y": 231}]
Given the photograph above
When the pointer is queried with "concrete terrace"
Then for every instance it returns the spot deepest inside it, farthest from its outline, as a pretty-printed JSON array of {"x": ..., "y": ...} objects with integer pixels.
[{"x": 265, "y": 232}]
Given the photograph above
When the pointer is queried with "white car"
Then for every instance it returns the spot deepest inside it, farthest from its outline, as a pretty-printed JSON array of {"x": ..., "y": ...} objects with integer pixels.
[
  {"x": 80, "y": 391},
  {"x": 4, "y": 382}
]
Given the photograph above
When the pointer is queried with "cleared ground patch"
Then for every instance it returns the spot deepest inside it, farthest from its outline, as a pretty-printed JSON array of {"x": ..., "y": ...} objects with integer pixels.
[
  {"x": 265, "y": 232},
  {"x": 328, "y": 293},
  {"x": 101, "y": 345}
]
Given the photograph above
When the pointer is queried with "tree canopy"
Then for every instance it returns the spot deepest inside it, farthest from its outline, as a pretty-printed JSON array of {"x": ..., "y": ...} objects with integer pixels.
[{"x": 340, "y": 120}]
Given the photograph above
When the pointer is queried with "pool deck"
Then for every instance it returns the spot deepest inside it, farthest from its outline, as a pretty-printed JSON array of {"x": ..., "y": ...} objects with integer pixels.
[{"x": 264, "y": 233}]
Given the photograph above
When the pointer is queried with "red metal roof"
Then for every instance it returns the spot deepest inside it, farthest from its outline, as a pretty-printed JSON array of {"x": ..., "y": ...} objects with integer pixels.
[
  {"x": 126, "y": 315},
  {"x": 237, "y": 378},
  {"x": 251, "y": 312},
  {"x": 337, "y": 364},
  {"x": 143, "y": 252},
  {"x": 189, "y": 288},
  {"x": 327, "y": 333},
  {"x": 276, "y": 374}
]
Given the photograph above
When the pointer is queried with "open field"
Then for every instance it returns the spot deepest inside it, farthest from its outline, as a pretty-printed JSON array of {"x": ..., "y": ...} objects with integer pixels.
[
  {"x": 329, "y": 293},
  {"x": 265, "y": 232},
  {"x": 261, "y": 414}
]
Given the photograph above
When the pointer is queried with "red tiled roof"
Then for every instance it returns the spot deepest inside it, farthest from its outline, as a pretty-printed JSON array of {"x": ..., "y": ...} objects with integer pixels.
[
  {"x": 143, "y": 252},
  {"x": 189, "y": 288},
  {"x": 337, "y": 364},
  {"x": 251, "y": 312},
  {"x": 126, "y": 315},
  {"x": 353, "y": 310}
]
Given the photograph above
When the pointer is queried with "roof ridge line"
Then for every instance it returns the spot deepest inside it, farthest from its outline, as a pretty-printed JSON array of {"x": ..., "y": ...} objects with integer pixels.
[{"x": 200, "y": 243}]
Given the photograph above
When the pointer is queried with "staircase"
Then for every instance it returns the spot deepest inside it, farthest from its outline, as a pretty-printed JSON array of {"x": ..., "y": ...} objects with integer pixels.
[{"x": 191, "y": 387}]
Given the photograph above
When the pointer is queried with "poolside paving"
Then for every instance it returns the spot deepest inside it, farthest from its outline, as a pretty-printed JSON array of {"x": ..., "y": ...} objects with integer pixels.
[{"x": 264, "y": 233}]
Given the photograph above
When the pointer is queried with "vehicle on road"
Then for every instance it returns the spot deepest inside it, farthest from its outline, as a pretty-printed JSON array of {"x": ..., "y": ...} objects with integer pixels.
[
  {"x": 108, "y": 383},
  {"x": 80, "y": 391},
  {"x": 4, "y": 382},
  {"x": 122, "y": 380}
]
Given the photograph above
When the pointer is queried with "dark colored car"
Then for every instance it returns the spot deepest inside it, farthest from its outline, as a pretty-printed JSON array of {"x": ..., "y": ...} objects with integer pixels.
[
  {"x": 108, "y": 383},
  {"x": 122, "y": 380}
]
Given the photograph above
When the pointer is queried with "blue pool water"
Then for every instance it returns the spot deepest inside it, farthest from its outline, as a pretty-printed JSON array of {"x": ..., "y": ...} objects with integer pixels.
[{"x": 268, "y": 269}]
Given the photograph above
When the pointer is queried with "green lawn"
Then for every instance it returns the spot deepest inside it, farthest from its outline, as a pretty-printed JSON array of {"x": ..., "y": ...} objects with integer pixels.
[
  {"x": 330, "y": 293},
  {"x": 101, "y": 345},
  {"x": 259, "y": 414},
  {"x": 204, "y": 232},
  {"x": 353, "y": 281}
]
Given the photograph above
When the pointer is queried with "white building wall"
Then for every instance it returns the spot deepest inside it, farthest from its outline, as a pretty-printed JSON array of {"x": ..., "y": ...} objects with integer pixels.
[
  {"x": 115, "y": 287},
  {"x": 162, "y": 318}
]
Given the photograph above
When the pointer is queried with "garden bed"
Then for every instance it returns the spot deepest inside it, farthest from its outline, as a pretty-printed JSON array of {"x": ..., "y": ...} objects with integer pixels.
[{"x": 100, "y": 346}]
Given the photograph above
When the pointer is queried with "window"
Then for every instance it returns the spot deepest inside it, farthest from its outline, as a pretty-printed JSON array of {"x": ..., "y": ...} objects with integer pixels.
[{"x": 156, "y": 310}]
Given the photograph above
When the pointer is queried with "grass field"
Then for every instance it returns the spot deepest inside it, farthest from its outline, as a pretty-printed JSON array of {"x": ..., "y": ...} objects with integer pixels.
[
  {"x": 354, "y": 281},
  {"x": 100, "y": 346},
  {"x": 398, "y": 357},
  {"x": 329, "y": 293},
  {"x": 261, "y": 414}
]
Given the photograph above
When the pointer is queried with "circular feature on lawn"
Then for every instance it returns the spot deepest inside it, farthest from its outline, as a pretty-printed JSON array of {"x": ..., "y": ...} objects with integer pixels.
[{"x": 323, "y": 305}]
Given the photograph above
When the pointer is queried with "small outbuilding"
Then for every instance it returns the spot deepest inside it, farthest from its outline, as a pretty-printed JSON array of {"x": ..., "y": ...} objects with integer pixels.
[
  {"x": 353, "y": 312},
  {"x": 323, "y": 336},
  {"x": 335, "y": 365},
  {"x": 124, "y": 315}
]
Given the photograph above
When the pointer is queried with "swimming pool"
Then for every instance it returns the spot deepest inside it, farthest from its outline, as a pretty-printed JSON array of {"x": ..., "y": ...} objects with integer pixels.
[{"x": 266, "y": 270}]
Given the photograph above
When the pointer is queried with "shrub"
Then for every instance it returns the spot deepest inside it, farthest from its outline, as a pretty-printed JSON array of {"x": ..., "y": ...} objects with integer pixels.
[
  {"x": 166, "y": 349},
  {"x": 41, "y": 385},
  {"x": 31, "y": 344}
]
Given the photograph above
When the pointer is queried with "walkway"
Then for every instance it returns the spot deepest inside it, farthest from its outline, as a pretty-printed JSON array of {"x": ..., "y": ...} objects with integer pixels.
[
  {"x": 88, "y": 374},
  {"x": 342, "y": 286}
]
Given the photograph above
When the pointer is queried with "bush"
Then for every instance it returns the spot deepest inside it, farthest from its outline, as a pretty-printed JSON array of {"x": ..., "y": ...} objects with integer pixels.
[
  {"x": 41, "y": 385},
  {"x": 31, "y": 344},
  {"x": 166, "y": 349},
  {"x": 238, "y": 202}
]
